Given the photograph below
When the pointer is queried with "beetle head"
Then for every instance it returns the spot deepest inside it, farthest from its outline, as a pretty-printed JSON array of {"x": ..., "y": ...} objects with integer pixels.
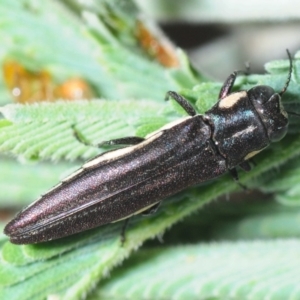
[
  {"x": 269, "y": 107},
  {"x": 271, "y": 111}
]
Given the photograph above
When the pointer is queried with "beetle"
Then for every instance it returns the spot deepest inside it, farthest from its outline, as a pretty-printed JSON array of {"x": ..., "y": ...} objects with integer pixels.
[{"x": 121, "y": 183}]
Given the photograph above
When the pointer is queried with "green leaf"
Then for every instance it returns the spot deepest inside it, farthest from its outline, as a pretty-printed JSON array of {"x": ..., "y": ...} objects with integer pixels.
[
  {"x": 241, "y": 270},
  {"x": 102, "y": 49},
  {"x": 44, "y": 130},
  {"x": 272, "y": 224}
]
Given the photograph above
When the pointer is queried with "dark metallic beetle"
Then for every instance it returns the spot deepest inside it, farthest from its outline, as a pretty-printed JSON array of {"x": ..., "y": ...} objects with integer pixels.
[{"x": 127, "y": 181}]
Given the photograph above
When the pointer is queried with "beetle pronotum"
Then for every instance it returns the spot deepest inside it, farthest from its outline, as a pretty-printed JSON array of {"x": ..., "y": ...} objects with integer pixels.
[{"x": 123, "y": 182}]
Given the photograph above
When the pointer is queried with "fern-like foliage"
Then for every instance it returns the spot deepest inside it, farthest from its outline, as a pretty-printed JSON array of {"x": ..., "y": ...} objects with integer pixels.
[{"x": 98, "y": 42}]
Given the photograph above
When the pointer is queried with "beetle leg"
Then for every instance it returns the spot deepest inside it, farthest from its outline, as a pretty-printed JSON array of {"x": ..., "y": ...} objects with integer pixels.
[
  {"x": 235, "y": 177},
  {"x": 151, "y": 210},
  {"x": 182, "y": 102},
  {"x": 229, "y": 82},
  {"x": 130, "y": 140},
  {"x": 125, "y": 225},
  {"x": 227, "y": 86},
  {"x": 245, "y": 165}
]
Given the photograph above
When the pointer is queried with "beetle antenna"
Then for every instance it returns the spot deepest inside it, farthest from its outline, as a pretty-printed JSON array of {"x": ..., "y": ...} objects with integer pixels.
[
  {"x": 288, "y": 82},
  {"x": 290, "y": 73}
]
